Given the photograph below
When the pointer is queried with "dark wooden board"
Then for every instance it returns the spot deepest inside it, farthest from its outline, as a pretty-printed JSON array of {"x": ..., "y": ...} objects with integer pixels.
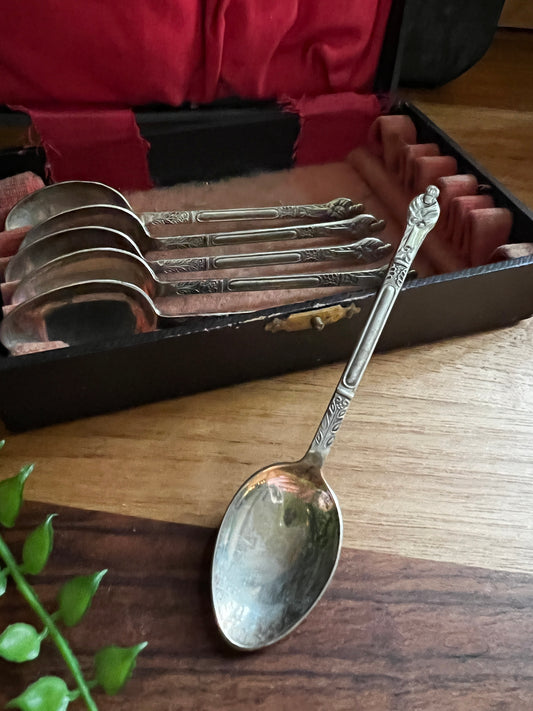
[{"x": 390, "y": 634}]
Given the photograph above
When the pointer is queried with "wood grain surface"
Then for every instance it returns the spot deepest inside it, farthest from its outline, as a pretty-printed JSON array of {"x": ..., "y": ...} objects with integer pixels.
[
  {"x": 517, "y": 13},
  {"x": 434, "y": 458},
  {"x": 391, "y": 633}
]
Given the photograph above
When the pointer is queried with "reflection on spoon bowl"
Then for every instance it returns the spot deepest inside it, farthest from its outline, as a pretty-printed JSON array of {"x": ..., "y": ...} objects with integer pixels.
[
  {"x": 285, "y": 530},
  {"x": 101, "y": 310}
]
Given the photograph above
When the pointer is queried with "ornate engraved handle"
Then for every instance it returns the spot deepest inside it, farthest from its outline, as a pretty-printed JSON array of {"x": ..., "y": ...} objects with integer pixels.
[
  {"x": 364, "y": 251},
  {"x": 359, "y": 226},
  {"x": 368, "y": 279},
  {"x": 339, "y": 209},
  {"x": 423, "y": 214}
]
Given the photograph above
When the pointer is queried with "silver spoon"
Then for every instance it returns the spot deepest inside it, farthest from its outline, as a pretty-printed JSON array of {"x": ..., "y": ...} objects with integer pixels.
[
  {"x": 125, "y": 221},
  {"x": 55, "y": 199},
  {"x": 117, "y": 265},
  {"x": 280, "y": 538},
  {"x": 365, "y": 251},
  {"x": 99, "y": 310}
]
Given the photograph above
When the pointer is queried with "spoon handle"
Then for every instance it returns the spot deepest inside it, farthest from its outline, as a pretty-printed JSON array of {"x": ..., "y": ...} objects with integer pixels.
[
  {"x": 423, "y": 214},
  {"x": 366, "y": 250},
  {"x": 338, "y": 209},
  {"x": 360, "y": 225},
  {"x": 362, "y": 279}
]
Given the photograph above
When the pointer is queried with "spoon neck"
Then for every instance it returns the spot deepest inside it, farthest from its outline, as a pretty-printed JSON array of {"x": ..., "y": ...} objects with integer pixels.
[
  {"x": 330, "y": 424},
  {"x": 168, "y": 217},
  {"x": 313, "y": 458}
]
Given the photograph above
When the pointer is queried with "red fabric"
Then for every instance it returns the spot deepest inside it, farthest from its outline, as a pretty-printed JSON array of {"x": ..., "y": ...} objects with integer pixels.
[
  {"x": 331, "y": 126},
  {"x": 135, "y": 52},
  {"x": 95, "y": 55},
  {"x": 103, "y": 145}
]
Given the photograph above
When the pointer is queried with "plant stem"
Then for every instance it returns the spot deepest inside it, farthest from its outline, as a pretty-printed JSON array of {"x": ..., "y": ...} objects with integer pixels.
[{"x": 33, "y": 601}]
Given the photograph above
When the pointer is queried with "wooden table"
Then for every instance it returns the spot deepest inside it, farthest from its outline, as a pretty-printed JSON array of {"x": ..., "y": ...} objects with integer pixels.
[{"x": 432, "y": 605}]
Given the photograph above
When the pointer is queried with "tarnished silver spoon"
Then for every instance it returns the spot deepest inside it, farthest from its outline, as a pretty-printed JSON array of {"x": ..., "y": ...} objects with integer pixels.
[
  {"x": 101, "y": 310},
  {"x": 364, "y": 251},
  {"x": 55, "y": 199},
  {"x": 125, "y": 221},
  {"x": 89, "y": 312},
  {"x": 118, "y": 265},
  {"x": 280, "y": 538}
]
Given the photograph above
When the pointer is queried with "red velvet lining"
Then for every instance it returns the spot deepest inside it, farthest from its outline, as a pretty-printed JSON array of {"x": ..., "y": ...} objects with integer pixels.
[
  {"x": 331, "y": 126},
  {"x": 93, "y": 145},
  {"x": 58, "y": 57}
]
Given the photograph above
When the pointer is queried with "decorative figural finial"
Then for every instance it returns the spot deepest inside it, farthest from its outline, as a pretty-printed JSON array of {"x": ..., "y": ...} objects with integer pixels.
[{"x": 424, "y": 210}]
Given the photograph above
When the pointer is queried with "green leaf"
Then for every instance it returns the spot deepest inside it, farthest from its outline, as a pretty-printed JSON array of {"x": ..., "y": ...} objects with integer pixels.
[
  {"x": 38, "y": 546},
  {"x": 76, "y": 595},
  {"x": 114, "y": 666},
  {"x": 3, "y": 580},
  {"x": 49, "y": 693},
  {"x": 20, "y": 642},
  {"x": 11, "y": 491}
]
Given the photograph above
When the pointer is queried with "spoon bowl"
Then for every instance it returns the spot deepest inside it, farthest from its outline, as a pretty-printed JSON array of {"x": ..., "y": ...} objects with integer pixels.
[
  {"x": 112, "y": 216},
  {"x": 72, "y": 315},
  {"x": 58, "y": 244},
  {"x": 279, "y": 541},
  {"x": 287, "y": 515},
  {"x": 38, "y": 206}
]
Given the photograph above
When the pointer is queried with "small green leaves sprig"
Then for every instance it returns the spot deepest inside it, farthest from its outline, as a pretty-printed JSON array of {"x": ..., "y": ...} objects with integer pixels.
[{"x": 21, "y": 642}]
